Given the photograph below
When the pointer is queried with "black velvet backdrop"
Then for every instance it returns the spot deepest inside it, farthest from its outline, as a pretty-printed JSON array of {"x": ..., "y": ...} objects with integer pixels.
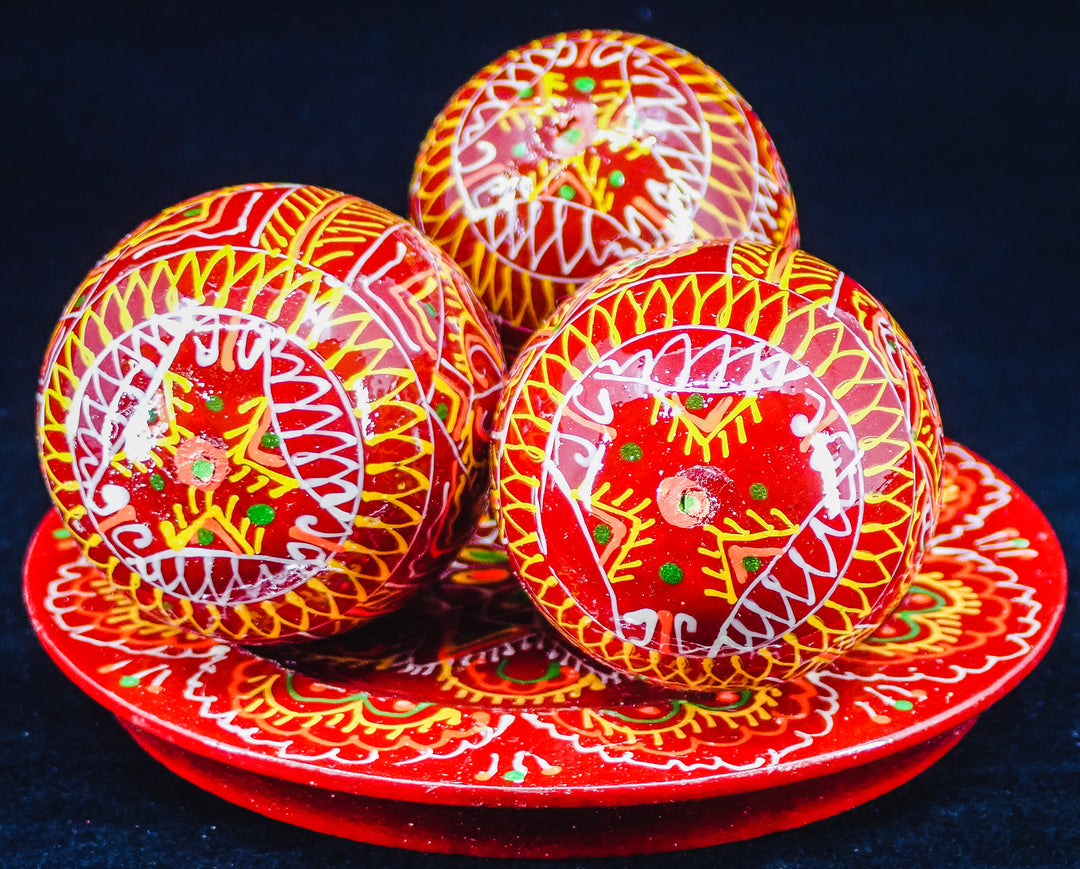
[{"x": 933, "y": 155}]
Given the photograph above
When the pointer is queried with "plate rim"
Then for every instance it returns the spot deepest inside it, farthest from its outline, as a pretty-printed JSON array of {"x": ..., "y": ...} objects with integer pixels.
[{"x": 595, "y": 794}]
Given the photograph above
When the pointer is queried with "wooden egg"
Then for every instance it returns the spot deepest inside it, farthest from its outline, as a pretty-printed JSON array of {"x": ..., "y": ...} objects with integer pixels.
[
  {"x": 718, "y": 465},
  {"x": 265, "y": 414},
  {"x": 574, "y": 151}
]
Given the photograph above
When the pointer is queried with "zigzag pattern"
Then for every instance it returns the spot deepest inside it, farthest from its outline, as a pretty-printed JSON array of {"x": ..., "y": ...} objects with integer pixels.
[
  {"x": 530, "y": 227},
  {"x": 900, "y": 468}
]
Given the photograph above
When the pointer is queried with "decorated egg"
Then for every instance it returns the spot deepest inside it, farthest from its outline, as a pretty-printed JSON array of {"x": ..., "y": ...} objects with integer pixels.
[
  {"x": 265, "y": 414},
  {"x": 577, "y": 150},
  {"x": 718, "y": 465}
]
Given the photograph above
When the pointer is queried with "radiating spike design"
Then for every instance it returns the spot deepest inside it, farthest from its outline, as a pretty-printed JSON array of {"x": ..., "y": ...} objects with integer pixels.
[
  {"x": 718, "y": 465},
  {"x": 574, "y": 151},
  {"x": 266, "y": 413}
]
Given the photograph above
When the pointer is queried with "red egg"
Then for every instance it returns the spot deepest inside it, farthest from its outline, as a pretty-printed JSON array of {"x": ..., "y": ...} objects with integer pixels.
[
  {"x": 265, "y": 414},
  {"x": 718, "y": 465},
  {"x": 574, "y": 151}
]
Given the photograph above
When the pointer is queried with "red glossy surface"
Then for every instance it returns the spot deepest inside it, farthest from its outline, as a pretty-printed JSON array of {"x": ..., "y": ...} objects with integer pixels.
[
  {"x": 553, "y": 832},
  {"x": 265, "y": 413},
  {"x": 466, "y": 701},
  {"x": 573, "y": 151},
  {"x": 718, "y": 465}
]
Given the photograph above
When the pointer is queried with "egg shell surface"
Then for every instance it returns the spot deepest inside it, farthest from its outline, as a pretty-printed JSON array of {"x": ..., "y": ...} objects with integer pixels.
[
  {"x": 576, "y": 150},
  {"x": 265, "y": 414},
  {"x": 718, "y": 465}
]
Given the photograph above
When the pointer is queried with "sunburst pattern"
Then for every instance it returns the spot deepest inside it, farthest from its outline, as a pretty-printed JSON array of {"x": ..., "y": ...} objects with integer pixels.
[
  {"x": 658, "y": 425},
  {"x": 572, "y": 152},
  {"x": 266, "y": 414}
]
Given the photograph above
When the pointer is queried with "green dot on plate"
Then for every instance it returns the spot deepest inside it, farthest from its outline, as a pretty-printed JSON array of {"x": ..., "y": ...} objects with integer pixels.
[
  {"x": 759, "y": 492},
  {"x": 585, "y": 84},
  {"x": 695, "y": 402},
  {"x": 631, "y": 452},
  {"x": 903, "y": 705},
  {"x": 515, "y": 775},
  {"x": 751, "y": 563},
  {"x": 671, "y": 573},
  {"x": 520, "y": 149},
  {"x": 270, "y": 440},
  {"x": 157, "y": 482},
  {"x": 204, "y": 537},
  {"x": 129, "y": 681},
  {"x": 616, "y": 178},
  {"x": 442, "y": 411},
  {"x": 214, "y": 403},
  {"x": 202, "y": 469},
  {"x": 526, "y": 92},
  {"x": 602, "y": 534},
  {"x": 260, "y": 514},
  {"x": 566, "y": 191}
]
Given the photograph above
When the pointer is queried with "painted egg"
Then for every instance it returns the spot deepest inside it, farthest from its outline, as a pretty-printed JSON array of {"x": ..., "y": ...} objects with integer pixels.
[
  {"x": 266, "y": 413},
  {"x": 718, "y": 465},
  {"x": 574, "y": 151}
]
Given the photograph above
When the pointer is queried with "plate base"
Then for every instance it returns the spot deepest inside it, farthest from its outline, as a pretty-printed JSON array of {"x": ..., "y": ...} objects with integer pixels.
[{"x": 616, "y": 831}]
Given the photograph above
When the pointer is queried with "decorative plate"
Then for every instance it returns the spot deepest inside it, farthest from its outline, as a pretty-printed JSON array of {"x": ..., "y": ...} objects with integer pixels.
[{"x": 467, "y": 705}]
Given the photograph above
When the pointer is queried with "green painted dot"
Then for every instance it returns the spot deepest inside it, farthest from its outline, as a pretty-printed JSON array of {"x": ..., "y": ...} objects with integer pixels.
[
  {"x": 751, "y": 564},
  {"x": 631, "y": 452},
  {"x": 202, "y": 469},
  {"x": 260, "y": 514},
  {"x": 204, "y": 537},
  {"x": 671, "y": 573},
  {"x": 151, "y": 416},
  {"x": 430, "y": 308},
  {"x": 526, "y": 92},
  {"x": 484, "y": 556},
  {"x": 129, "y": 681},
  {"x": 566, "y": 191},
  {"x": 904, "y": 705},
  {"x": 214, "y": 403},
  {"x": 602, "y": 534},
  {"x": 759, "y": 492},
  {"x": 689, "y": 502},
  {"x": 573, "y": 135},
  {"x": 695, "y": 402},
  {"x": 520, "y": 149},
  {"x": 270, "y": 441},
  {"x": 61, "y": 534},
  {"x": 515, "y": 775},
  {"x": 157, "y": 482},
  {"x": 442, "y": 411},
  {"x": 193, "y": 212},
  {"x": 616, "y": 179},
  {"x": 585, "y": 84},
  {"x": 79, "y": 302}
]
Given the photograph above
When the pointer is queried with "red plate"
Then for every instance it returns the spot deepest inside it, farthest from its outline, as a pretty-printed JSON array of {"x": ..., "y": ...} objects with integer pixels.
[{"x": 463, "y": 724}]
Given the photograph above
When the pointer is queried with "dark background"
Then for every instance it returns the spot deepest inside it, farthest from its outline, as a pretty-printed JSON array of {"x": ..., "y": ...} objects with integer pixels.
[{"x": 933, "y": 154}]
